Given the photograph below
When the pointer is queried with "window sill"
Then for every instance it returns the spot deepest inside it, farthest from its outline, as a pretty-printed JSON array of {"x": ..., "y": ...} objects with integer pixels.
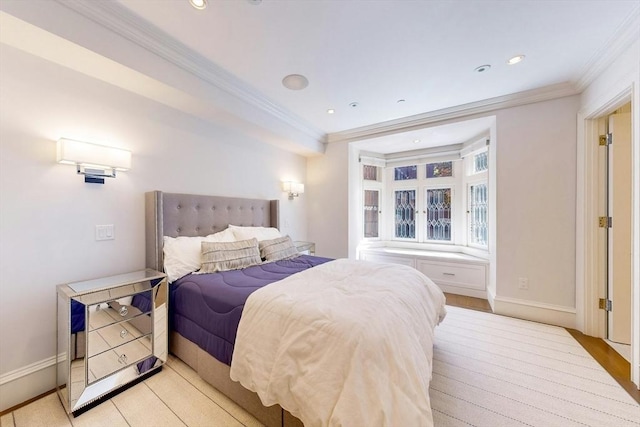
[
  {"x": 437, "y": 250},
  {"x": 430, "y": 254}
]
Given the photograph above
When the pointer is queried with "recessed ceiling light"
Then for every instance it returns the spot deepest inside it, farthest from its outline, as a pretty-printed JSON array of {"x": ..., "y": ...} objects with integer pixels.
[
  {"x": 295, "y": 82},
  {"x": 515, "y": 59},
  {"x": 415, "y": 141},
  {"x": 353, "y": 104},
  {"x": 198, "y": 4},
  {"x": 331, "y": 111},
  {"x": 482, "y": 68}
]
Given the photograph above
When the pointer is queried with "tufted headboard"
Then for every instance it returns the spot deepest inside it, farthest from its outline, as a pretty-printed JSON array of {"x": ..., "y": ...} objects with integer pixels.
[{"x": 173, "y": 214}]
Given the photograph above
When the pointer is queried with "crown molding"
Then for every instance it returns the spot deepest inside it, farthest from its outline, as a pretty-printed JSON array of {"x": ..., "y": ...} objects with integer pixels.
[
  {"x": 622, "y": 39},
  {"x": 423, "y": 120},
  {"x": 125, "y": 23},
  {"x": 121, "y": 21}
]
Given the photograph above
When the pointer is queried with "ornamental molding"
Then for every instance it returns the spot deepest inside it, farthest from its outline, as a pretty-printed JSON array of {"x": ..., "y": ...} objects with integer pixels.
[
  {"x": 627, "y": 33},
  {"x": 125, "y": 23},
  {"x": 423, "y": 120}
]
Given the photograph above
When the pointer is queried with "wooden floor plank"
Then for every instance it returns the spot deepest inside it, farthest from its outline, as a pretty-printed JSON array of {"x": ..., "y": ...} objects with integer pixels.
[{"x": 616, "y": 365}]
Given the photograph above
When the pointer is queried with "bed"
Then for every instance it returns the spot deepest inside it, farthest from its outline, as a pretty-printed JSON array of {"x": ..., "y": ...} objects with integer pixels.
[{"x": 256, "y": 356}]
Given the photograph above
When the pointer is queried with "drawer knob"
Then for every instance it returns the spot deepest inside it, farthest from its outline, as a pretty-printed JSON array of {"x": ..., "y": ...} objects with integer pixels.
[
  {"x": 123, "y": 333},
  {"x": 124, "y": 311},
  {"x": 123, "y": 359},
  {"x": 448, "y": 274}
]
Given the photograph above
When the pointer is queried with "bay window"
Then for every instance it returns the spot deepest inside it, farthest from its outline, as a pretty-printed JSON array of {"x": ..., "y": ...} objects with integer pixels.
[
  {"x": 440, "y": 202},
  {"x": 405, "y": 209},
  {"x": 371, "y": 213},
  {"x": 438, "y": 214}
]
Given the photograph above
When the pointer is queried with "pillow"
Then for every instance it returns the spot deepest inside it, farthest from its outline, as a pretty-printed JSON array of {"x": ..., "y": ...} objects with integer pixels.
[
  {"x": 182, "y": 254},
  {"x": 225, "y": 235},
  {"x": 259, "y": 233},
  {"x": 224, "y": 256},
  {"x": 277, "y": 249}
]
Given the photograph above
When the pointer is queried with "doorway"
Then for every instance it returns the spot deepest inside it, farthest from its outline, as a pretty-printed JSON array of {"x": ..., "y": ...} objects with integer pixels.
[{"x": 615, "y": 158}]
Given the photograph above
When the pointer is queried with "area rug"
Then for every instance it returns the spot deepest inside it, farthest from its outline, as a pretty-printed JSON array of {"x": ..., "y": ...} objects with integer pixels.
[{"x": 492, "y": 371}]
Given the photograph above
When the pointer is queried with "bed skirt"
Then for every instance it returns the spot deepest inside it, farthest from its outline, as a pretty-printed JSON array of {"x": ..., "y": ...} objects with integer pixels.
[{"x": 216, "y": 373}]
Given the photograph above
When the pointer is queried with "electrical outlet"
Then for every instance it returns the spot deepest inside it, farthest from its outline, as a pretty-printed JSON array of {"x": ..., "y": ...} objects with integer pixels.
[{"x": 523, "y": 283}]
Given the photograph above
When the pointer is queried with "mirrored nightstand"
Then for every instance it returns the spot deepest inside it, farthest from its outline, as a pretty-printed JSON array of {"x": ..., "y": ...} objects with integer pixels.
[{"x": 112, "y": 332}]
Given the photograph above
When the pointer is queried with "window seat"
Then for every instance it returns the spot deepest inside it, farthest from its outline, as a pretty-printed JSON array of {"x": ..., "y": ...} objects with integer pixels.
[{"x": 453, "y": 272}]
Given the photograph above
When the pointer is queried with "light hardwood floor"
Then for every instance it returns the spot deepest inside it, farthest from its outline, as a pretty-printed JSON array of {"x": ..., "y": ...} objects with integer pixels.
[{"x": 177, "y": 396}]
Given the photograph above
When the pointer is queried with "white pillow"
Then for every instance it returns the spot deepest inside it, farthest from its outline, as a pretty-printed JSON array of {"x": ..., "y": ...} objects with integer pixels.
[
  {"x": 182, "y": 255},
  {"x": 259, "y": 233}
]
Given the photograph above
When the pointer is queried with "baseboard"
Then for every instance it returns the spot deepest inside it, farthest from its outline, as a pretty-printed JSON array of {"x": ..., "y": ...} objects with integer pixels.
[
  {"x": 557, "y": 315},
  {"x": 26, "y": 382}
]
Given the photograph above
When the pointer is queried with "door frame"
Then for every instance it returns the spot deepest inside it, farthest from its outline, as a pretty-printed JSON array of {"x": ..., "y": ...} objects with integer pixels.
[{"x": 589, "y": 286}]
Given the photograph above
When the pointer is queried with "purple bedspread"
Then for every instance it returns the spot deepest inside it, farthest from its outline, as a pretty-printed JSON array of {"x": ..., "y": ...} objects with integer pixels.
[{"x": 206, "y": 308}]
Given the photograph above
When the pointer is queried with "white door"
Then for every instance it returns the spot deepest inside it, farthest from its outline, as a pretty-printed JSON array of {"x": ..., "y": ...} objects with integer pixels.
[{"x": 619, "y": 242}]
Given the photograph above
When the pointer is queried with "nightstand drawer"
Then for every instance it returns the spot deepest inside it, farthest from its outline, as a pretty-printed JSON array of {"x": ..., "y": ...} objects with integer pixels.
[
  {"x": 120, "y": 357},
  {"x": 112, "y": 336},
  {"x": 462, "y": 275},
  {"x": 105, "y": 314}
]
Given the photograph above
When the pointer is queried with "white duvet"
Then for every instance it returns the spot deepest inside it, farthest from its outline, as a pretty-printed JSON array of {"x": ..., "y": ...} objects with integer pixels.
[{"x": 346, "y": 343}]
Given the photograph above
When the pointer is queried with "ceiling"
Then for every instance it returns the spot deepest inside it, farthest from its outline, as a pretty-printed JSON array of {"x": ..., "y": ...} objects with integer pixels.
[
  {"x": 377, "y": 53},
  {"x": 408, "y": 64}
]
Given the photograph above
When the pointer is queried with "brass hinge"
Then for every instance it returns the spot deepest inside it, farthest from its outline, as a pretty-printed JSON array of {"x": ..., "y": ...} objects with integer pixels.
[
  {"x": 605, "y": 222},
  {"x": 604, "y": 304},
  {"x": 606, "y": 139}
]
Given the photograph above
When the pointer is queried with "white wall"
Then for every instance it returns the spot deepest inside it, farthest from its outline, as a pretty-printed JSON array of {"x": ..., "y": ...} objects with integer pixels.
[
  {"x": 328, "y": 206},
  {"x": 536, "y": 179},
  {"x": 48, "y": 213}
]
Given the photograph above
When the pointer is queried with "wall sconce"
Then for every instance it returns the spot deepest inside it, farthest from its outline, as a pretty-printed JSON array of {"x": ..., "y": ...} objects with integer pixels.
[
  {"x": 95, "y": 162},
  {"x": 293, "y": 188}
]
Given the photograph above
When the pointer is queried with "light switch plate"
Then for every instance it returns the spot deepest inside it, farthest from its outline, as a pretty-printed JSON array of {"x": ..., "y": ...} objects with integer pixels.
[{"x": 105, "y": 232}]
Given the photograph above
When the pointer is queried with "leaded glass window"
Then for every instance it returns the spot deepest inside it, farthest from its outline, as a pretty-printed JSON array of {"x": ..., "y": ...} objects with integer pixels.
[
  {"x": 478, "y": 210},
  {"x": 439, "y": 170},
  {"x": 370, "y": 173},
  {"x": 371, "y": 213},
  {"x": 405, "y": 172},
  {"x": 438, "y": 208},
  {"x": 405, "y": 221},
  {"x": 480, "y": 162}
]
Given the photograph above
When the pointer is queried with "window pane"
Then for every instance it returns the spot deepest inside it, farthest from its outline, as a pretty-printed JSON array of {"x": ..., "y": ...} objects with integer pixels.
[
  {"x": 371, "y": 210},
  {"x": 370, "y": 173},
  {"x": 438, "y": 207},
  {"x": 478, "y": 204},
  {"x": 405, "y": 222},
  {"x": 406, "y": 172},
  {"x": 480, "y": 162},
  {"x": 437, "y": 170}
]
